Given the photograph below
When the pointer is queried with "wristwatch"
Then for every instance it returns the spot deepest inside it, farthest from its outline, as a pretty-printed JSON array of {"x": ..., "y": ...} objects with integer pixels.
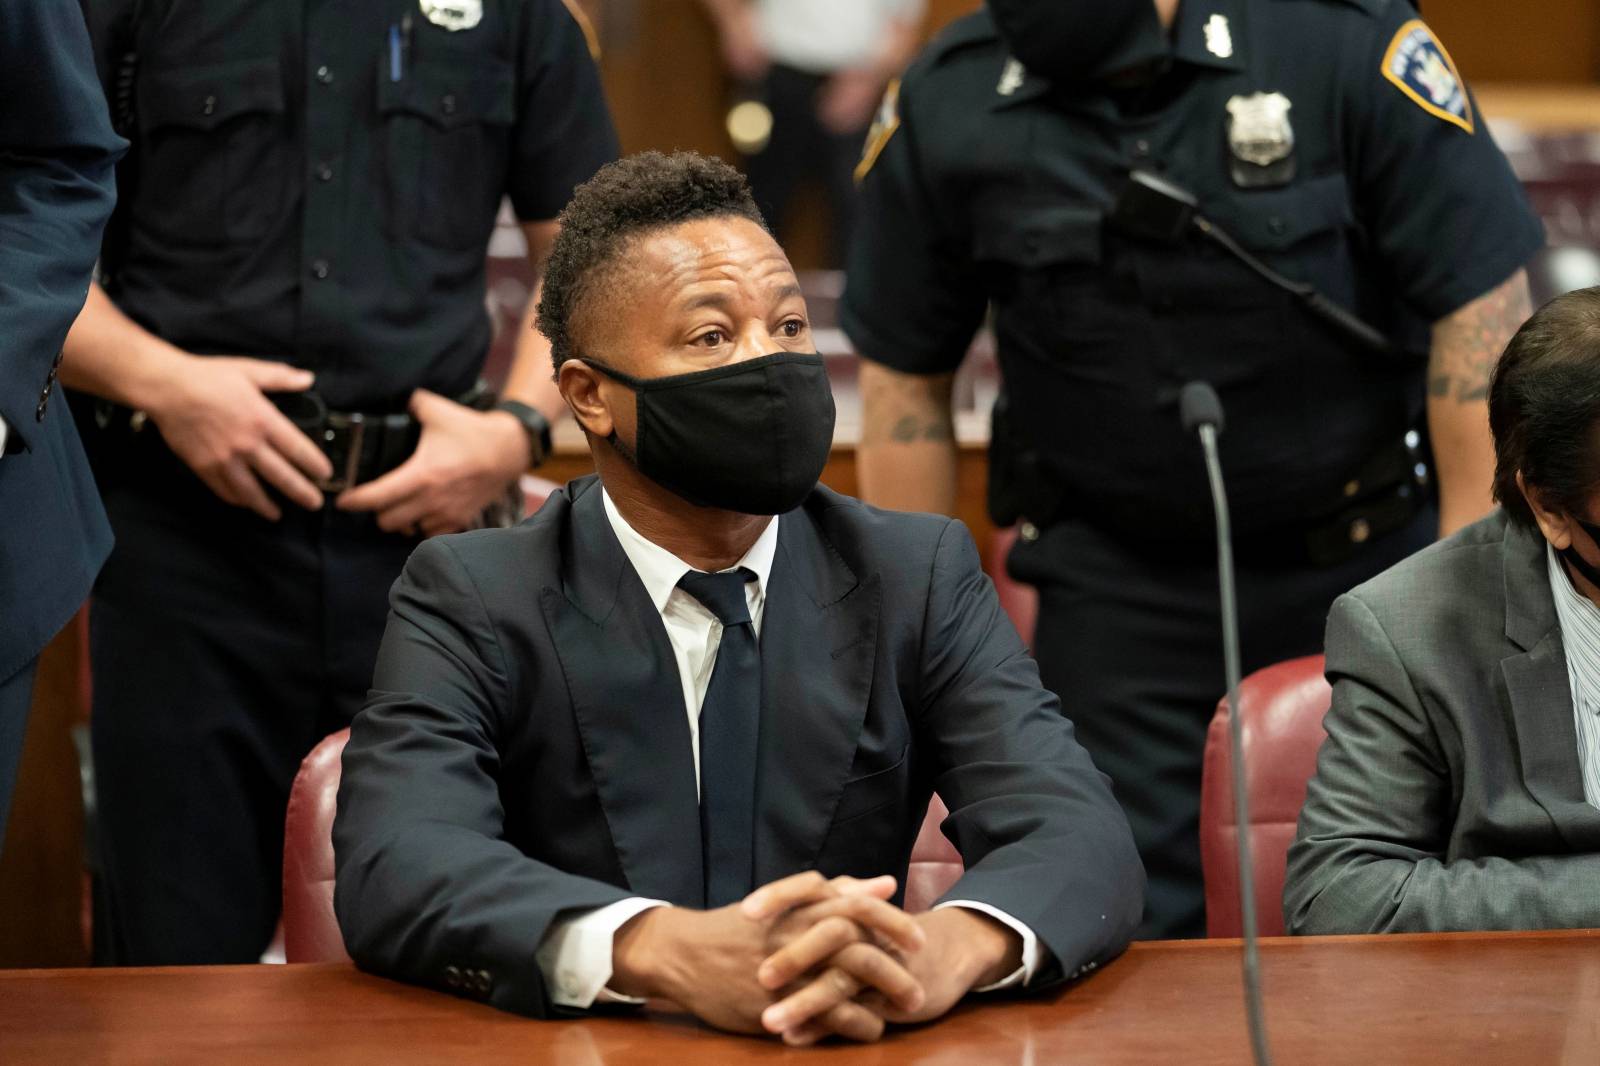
[{"x": 534, "y": 424}]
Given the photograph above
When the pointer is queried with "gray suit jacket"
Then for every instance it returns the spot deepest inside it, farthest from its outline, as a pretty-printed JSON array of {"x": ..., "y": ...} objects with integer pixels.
[{"x": 1448, "y": 794}]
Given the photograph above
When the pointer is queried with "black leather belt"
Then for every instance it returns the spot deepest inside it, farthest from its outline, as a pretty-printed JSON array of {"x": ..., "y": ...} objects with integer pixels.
[{"x": 361, "y": 446}]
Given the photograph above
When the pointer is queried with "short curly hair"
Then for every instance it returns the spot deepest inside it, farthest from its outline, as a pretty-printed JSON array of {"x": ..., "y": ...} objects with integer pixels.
[{"x": 625, "y": 199}]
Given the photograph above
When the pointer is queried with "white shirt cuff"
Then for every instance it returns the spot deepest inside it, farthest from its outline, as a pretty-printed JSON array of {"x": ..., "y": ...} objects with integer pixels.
[
  {"x": 575, "y": 954},
  {"x": 4, "y": 429},
  {"x": 1032, "y": 953}
]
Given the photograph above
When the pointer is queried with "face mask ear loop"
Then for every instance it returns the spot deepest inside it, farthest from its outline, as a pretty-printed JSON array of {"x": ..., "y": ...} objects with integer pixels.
[{"x": 615, "y": 375}]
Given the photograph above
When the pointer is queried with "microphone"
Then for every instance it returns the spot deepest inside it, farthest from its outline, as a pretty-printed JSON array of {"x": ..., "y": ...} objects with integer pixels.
[{"x": 1200, "y": 408}]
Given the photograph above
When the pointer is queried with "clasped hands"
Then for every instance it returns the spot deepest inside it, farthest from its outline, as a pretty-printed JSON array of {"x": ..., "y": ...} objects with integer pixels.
[{"x": 808, "y": 957}]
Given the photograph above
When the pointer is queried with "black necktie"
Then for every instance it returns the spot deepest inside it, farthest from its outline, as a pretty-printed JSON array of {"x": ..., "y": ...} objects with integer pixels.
[{"x": 730, "y": 718}]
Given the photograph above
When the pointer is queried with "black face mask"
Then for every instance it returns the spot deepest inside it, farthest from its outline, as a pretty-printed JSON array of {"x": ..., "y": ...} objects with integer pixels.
[
  {"x": 1074, "y": 40},
  {"x": 1578, "y": 562},
  {"x": 751, "y": 437}
]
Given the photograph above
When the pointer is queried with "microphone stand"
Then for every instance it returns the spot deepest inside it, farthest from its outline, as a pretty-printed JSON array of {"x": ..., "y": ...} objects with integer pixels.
[{"x": 1254, "y": 1008}]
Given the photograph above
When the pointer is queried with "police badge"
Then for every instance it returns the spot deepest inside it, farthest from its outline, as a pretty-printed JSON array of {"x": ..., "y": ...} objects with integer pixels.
[
  {"x": 453, "y": 15},
  {"x": 1261, "y": 140}
]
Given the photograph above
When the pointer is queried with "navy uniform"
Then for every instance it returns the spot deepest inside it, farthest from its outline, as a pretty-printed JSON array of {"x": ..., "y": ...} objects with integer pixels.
[
  {"x": 1335, "y": 142},
  {"x": 57, "y": 153},
  {"x": 316, "y": 183}
]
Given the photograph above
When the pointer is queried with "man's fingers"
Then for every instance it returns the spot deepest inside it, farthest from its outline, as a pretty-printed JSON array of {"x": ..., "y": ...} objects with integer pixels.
[
  {"x": 849, "y": 1020},
  {"x": 800, "y": 955},
  {"x": 281, "y": 474},
  {"x": 383, "y": 493},
  {"x": 808, "y": 887},
  {"x": 873, "y": 968},
  {"x": 779, "y": 896},
  {"x": 874, "y": 915},
  {"x": 275, "y": 377},
  {"x": 247, "y": 491},
  {"x": 404, "y": 517},
  {"x": 826, "y": 991},
  {"x": 296, "y": 447}
]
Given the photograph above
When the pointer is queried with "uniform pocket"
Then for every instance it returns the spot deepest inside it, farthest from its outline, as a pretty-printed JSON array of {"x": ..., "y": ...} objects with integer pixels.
[
  {"x": 213, "y": 151},
  {"x": 446, "y": 130}
]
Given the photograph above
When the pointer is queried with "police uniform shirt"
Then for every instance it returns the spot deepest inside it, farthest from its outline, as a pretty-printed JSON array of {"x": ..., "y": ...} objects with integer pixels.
[
  {"x": 317, "y": 182},
  {"x": 1333, "y": 138}
]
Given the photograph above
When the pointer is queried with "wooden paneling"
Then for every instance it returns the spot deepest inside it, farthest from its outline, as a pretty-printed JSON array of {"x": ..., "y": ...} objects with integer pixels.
[{"x": 41, "y": 862}]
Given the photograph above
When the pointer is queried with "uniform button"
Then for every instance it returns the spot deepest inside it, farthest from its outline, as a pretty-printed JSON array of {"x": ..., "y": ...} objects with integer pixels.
[
  {"x": 452, "y": 977},
  {"x": 1028, "y": 532},
  {"x": 324, "y": 75},
  {"x": 319, "y": 268},
  {"x": 324, "y": 172},
  {"x": 447, "y": 103},
  {"x": 1360, "y": 531},
  {"x": 569, "y": 983},
  {"x": 1277, "y": 225},
  {"x": 1352, "y": 487}
]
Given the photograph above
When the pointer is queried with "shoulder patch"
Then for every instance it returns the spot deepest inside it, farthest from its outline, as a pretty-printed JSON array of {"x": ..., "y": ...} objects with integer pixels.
[
  {"x": 884, "y": 123},
  {"x": 1417, "y": 64}
]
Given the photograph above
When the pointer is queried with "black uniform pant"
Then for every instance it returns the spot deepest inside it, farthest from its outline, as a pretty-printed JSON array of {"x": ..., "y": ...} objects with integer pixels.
[
  {"x": 223, "y": 647},
  {"x": 1130, "y": 637},
  {"x": 803, "y": 152},
  {"x": 16, "y": 694}
]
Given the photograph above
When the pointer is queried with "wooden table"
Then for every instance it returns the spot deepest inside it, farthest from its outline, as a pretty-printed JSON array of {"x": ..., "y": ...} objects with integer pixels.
[{"x": 1528, "y": 998}]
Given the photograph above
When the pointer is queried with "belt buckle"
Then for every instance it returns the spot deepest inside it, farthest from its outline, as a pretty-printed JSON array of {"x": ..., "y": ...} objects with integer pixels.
[{"x": 354, "y": 425}]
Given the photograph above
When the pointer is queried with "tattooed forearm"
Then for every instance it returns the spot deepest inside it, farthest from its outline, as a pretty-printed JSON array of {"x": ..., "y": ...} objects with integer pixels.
[
  {"x": 905, "y": 408},
  {"x": 1467, "y": 344}
]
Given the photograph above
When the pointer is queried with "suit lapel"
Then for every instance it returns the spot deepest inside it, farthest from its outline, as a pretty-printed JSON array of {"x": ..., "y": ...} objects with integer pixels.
[
  {"x": 1540, "y": 692},
  {"x": 628, "y": 700},
  {"x": 818, "y": 648}
]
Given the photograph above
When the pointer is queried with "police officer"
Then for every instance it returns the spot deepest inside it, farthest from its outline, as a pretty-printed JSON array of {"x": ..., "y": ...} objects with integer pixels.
[
  {"x": 1294, "y": 200},
  {"x": 290, "y": 334}
]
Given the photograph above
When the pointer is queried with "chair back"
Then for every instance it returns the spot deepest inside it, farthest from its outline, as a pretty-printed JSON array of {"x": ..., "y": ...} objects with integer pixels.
[
  {"x": 310, "y": 931},
  {"x": 1281, "y": 709},
  {"x": 1019, "y": 601},
  {"x": 935, "y": 863}
]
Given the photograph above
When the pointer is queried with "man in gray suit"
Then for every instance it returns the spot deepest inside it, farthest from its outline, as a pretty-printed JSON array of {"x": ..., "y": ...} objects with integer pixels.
[{"x": 1459, "y": 786}]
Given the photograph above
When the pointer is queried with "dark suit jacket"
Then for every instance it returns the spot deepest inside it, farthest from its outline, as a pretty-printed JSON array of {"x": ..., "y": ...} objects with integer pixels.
[
  {"x": 1448, "y": 794},
  {"x": 57, "y": 187},
  {"x": 525, "y": 752}
]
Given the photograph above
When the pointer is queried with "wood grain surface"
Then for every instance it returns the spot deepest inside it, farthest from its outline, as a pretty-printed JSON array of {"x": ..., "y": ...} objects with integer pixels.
[{"x": 1472, "y": 998}]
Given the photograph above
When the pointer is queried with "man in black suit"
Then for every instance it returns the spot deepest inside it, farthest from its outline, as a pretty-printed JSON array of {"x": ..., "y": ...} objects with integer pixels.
[
  {"x": 57, "y": 153},
  {"x": 656, "y": 743}
]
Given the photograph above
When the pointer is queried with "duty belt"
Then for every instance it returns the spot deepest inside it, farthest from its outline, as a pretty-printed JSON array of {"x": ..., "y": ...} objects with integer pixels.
[{"x": 361, "y": 446}]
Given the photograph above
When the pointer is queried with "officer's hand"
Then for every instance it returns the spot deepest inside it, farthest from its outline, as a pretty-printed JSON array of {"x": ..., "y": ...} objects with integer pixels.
[
  {"x": 742, "y": 50},
  {"x": 846, "y": 103},
  {"x": 464, "y": 461},
  {"x": 214, "y": 415}
]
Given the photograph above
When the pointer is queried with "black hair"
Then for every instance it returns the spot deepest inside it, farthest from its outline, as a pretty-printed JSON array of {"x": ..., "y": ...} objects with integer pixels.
[
  {"x": 1544, "y": 408},
  {"x": 627, "y": 198}
]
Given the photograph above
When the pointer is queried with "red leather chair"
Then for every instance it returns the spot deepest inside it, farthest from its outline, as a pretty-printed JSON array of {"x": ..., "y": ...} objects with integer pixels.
[
  {"x": 1020, "y": 602},
  {"x": 1281, "y": 708},
  {"x": 310, "y": 931},
  {"x": 935, "y": 863}
]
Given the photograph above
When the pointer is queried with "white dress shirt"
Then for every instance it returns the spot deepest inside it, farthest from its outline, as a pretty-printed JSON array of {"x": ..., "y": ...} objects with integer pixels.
[
  {"x": 575, "y": 955},
  {"x": 827, "y": 36},
  {"x": 1579, "y": 619}
]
